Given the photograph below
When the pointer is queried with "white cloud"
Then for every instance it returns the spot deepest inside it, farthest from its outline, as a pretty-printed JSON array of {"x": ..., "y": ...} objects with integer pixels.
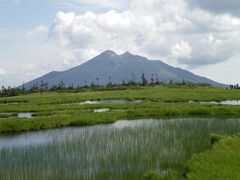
[
  {"x": 155, "y": 28},
  {"x": 182, "y": 50},
  {"x": 116, "y": 4},
  {"x": 37, "y": 31},
  {"x": 29, "y": 69},
  {"x": 167, "y": 30},
  {"x": 2, "y": 72}
]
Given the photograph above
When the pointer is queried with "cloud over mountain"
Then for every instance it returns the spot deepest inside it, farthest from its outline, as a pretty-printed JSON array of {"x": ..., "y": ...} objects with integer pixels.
[
  {"x": 198, "y": 35},
  {"x": 154, "y": 28}
]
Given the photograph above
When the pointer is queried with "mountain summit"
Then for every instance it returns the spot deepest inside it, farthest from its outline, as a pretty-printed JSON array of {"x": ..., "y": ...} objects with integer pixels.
[{"x": 110, "y": 67}]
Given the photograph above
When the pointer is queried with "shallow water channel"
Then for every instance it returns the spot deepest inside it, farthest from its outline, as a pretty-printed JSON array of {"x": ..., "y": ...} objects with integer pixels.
[
  {"x": 125, "y": 149},
  {"x": 227, "y": 102},
  {"x": 15, "y": 114},
  {"x": 111, "y": 101},
  {"x": 25, "y": 115}
]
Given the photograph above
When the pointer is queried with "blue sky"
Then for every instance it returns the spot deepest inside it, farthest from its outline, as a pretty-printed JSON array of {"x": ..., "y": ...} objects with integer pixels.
[
  {"x": 37, "y": 37},
  {"x": 27, "y": 14}
]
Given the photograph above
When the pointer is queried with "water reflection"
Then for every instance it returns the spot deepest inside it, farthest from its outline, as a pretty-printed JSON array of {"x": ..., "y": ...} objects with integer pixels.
[
  {"x": 111, "y": 101},
  {"x": 25, "y": 115},
  {"x": 45, "y": 136},
  {"x": 101, "y": 110},
  {"x": 115, "y": 150},
  {"x": 227, "y": 102}
]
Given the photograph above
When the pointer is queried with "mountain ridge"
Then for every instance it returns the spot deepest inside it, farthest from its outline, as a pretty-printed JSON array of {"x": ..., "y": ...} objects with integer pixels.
[{"x": 111, "y": 67}]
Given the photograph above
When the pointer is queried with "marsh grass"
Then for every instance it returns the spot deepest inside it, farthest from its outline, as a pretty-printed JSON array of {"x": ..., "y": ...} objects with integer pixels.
[
  {"x": 222, "y": 161},
  {"x": 133, "y": 150},
  {"x": 162, "y": 101}
]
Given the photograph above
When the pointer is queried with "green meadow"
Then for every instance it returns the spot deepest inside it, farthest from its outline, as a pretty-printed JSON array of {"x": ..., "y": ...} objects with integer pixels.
[
  {"x": 222, "y": 161},
  {"x": 51, "y": 110},
  {"x": 169, "y": 136}
]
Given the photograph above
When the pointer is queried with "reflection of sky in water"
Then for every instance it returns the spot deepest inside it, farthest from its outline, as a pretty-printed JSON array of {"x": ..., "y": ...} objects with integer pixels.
[
  {"x": 132, "y": 124},
  {"x": 112, "y": 101},
  {"x": 227, "y": 102},
  {"x": 24, "y": 140},
  {"x": 24, "y": 115},
  {"x": 101, "y": 110},
  {"x": 35, "y": 138},
  {"x": 89, "y": 102},
  {"x": 58, "y": 135},
  {"x": 19, "y": 115},
  {"x": 231, "y": 102},
  {"x": 5, "y": 113},
  {"x": 42, "y": 137}
]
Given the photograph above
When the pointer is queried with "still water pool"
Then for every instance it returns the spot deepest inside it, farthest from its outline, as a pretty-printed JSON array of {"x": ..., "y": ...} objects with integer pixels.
[{"x": 123, "y": 150}]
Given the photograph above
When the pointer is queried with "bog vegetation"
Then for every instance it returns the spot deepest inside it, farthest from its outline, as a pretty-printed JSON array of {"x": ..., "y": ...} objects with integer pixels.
[
  {"x": 147, "y": 157},
  {"x": 58, "y": 109},
  {"x": 222, "y": 161},
  {"x": 125, "y": 150}
]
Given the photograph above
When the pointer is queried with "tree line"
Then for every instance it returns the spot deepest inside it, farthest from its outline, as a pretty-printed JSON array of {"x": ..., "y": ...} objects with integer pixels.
[
  {"x": 237, "y": 87},
  {"x": 61, "y": 87}
]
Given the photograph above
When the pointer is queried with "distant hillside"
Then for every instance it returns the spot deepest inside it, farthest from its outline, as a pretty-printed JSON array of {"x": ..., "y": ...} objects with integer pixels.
[{"x": 109, "y": 66}]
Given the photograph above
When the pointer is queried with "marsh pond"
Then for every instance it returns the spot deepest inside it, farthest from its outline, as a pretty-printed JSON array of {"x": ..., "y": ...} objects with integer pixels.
[{"x": 122, "y": 150}]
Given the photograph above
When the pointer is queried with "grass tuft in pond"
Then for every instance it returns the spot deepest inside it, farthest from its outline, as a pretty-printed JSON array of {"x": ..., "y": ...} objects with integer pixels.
[{"x": 124, "y": 150}]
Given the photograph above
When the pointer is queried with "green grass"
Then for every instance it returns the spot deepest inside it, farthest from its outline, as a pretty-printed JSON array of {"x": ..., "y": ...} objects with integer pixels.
[
  {"x": 151, "y": 149},
  {"x": 53, "y": 110},
  {"x": 221, "y": 162},
  {"x": 159, "y": 151}
]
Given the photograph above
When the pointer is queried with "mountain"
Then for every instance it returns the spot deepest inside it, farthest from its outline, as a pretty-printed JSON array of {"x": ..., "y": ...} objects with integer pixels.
[{"x": 109, "y": 66}]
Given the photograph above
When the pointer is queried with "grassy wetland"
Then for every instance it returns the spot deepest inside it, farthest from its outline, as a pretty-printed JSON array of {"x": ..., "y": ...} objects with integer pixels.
[
  {"x": 151, "y": 149},
  {"x": 52, "y": 110},
  {"x": 221, "y": 161},
  {"x": 123, "y": 150}
]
